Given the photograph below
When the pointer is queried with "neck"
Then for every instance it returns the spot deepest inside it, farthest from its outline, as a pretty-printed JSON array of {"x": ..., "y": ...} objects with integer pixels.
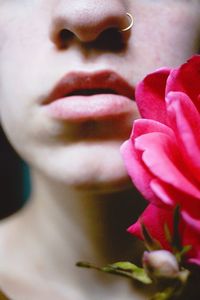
[{"x": 71, "y": 225}]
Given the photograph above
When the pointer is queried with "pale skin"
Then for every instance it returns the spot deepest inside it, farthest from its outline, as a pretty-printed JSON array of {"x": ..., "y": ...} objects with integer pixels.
[{"x": 78, "y": 176}]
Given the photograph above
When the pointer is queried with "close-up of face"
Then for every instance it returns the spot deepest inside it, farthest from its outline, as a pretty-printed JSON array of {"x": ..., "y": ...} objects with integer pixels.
[{"x": 68, "y": 74}]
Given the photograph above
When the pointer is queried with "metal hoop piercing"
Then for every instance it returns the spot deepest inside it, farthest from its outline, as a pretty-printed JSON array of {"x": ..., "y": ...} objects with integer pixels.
[{"x": 130, "y": 25}]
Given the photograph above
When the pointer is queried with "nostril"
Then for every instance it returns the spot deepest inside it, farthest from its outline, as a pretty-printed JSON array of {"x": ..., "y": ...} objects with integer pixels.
[
  {"x": 110, "y": 39},
  {"x": 63, "y": 38},
  {"x": 65, "y": 34}
]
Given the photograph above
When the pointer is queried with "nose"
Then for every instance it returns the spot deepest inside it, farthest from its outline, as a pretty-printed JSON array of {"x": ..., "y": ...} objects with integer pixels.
[{"x": 86, "y": 19}]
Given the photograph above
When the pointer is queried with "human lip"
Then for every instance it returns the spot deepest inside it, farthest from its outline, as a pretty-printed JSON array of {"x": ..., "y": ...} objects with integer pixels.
[{"x": 82, "y": 96}]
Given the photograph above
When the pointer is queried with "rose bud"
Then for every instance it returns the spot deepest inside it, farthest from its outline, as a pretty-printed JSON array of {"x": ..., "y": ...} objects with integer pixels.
[{"x": 160, "y": 264}]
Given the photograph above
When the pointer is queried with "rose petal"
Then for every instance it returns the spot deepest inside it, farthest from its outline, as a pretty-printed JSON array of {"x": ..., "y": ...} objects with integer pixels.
[
  {"x": 195, "y": 261},
  {"x": 185, "y": 121},
  {"x": 143, "y": 126},
  {"x": 163, "y": 159},
  {"x": 192, "y": 222},
  {"x": 161, "y": 191},
  {"x": 186, "y": 79},
  {"x": 137, "y": 170},
  {"x": 154, "y": 218},
  {"x": 150, "y": 95},
  {"x": 173, "y": 197},
  {"x": 191, "y": 236}
]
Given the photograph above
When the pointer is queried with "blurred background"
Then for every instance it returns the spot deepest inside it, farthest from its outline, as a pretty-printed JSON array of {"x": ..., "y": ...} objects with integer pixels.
[{"x": 14, "y": 179}]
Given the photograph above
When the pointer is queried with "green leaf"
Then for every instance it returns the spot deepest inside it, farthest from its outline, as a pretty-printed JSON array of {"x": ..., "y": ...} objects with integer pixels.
[
  {"x": 185, "y": 249},
  {"x": 130, "y": 270},
  {"x": 168, "y": 234},
  {"x": 125, "y": 265},
  {"x": 150, "y": 243},
  {"x": 181, "y": 254},
  {"x": 126, "y": 269}
]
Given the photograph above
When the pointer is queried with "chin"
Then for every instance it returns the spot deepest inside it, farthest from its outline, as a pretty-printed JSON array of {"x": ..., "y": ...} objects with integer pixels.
[
  {"x": 110, "y": 185},
  {"x": 95, "y": 168},
  {"x": 87, "y": 181},
  {"x": 107, "y": 178}
]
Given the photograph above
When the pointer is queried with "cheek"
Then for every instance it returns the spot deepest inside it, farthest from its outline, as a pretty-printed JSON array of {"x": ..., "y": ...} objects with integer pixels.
[
  {"x": 164, "y": 35},
  {"x": 182, "y": 31}
]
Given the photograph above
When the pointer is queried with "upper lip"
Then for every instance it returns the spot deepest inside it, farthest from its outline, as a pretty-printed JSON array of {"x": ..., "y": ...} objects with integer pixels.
[{"x": 86, "y": 83}]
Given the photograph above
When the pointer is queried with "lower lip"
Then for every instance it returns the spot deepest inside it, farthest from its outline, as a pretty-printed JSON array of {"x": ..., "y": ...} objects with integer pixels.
[{"x": 95, "y": 107}]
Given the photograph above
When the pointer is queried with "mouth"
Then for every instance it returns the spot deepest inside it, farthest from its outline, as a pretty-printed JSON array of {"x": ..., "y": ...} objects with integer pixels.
[
  {"x": 81, "y": 96},
  {"x": 87, "y": 84},
  {"x": 90, "y": 92}
]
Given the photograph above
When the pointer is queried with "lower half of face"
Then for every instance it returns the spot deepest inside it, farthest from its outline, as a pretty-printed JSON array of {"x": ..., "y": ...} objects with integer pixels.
[{"x": 84, "y": 154}]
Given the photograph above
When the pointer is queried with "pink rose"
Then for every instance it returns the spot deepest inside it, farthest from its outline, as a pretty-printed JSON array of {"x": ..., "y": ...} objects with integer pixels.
[{"x": 162, "y": 155}]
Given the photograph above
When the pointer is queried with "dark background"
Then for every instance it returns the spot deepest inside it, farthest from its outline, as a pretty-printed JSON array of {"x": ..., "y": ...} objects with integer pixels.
[{"x": 13, "y": 179}]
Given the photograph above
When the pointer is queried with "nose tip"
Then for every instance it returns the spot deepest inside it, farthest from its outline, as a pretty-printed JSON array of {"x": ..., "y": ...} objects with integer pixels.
[{"x": 86, "y": 23}]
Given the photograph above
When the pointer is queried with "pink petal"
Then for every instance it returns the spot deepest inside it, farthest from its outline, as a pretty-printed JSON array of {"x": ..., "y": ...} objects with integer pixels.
[
  {"x": 195, "y": 261},
  {"x": 160, "y": 189},
  {"x": 191, "y": 236},
  {"x": 192, "y": 222},
  {"x": 171, "y": 196},
  {"x": 163, "y": 159},
  {"x": 185, "y": 121},
  {"x": 137, "y": 170},
  {"x": 150, "y": 95},
  {"x": 143, "y": 126},
  {"x": 154, "y": 218},
  {"x": 187, "y": 79}
]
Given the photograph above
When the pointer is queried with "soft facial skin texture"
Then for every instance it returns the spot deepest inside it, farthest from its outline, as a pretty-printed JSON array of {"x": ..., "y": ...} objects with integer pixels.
[{"x": 165, "y": 33}]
